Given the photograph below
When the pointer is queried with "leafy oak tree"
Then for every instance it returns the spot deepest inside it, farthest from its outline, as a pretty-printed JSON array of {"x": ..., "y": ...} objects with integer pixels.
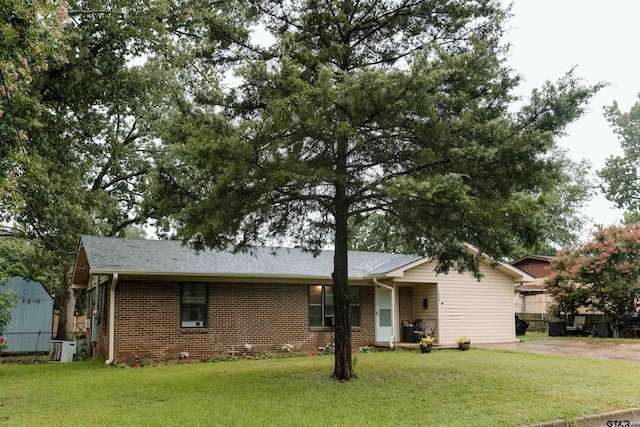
[
  {"x": 559, "y": 216},
  {"x": 621, "y": 173},
  {"x": 377, "y": 232},
  {"x": 602, "y": 274},
  {"x": 355, "y": 108},
  {"x": 560, "y": 219},
  {"x": 84, "y": 166},
  {"x": 31, "y": 36},
  {"x": 20, "y": 257},
  {"x": 8, "y": 300}
]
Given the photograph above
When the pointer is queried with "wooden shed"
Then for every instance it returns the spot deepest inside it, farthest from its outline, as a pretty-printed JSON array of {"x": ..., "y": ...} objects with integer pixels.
[{"x": 32, "y": 319}]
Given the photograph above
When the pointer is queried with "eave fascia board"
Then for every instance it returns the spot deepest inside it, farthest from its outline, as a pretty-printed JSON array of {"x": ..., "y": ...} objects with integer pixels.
[
  {"x": 518, "y": 275},
  {"x": 222, "y": 276},
  {"x": 399, "y": 272}
]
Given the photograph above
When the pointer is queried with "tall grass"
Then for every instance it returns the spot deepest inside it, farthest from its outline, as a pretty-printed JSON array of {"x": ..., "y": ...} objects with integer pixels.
[{"x": 445, "y": 387}]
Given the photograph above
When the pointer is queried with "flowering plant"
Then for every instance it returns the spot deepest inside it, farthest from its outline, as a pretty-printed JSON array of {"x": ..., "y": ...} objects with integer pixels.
[
  {"x": 463, "y": 339},
  {"x": 427, "y": 340},
  {"x": 328, "y": 349},
  {"x": 600, "y": 275}
]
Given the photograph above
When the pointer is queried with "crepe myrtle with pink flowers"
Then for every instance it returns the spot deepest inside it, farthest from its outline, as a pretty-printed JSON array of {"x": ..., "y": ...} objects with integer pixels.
[{"x": 601, "y": 274}]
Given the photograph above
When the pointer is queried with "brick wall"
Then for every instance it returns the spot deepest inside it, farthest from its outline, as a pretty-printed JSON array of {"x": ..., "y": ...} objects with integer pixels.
[{"x": 267, "y": 316}]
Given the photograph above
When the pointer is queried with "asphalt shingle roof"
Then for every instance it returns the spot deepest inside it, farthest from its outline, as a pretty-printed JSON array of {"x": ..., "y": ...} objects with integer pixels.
[{"x": 110, "y": 254}]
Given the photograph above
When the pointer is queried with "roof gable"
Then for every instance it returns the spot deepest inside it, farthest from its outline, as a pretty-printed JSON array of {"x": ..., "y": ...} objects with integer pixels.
[
  {"x": 545, "y": 259},
  {"x": 516, "y": 274},
  {"x": 535, "y": 265}
]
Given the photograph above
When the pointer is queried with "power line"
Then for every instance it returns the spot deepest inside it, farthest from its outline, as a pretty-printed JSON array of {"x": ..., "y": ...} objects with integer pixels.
[{"x": 7, "y": 231}]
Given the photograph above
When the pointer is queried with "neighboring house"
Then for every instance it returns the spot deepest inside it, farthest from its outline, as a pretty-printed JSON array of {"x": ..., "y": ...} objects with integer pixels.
[
  {"x": 533, "y": 297},
  {"x": 31, "y": 319},
  {"x": 157, "y": 299}
]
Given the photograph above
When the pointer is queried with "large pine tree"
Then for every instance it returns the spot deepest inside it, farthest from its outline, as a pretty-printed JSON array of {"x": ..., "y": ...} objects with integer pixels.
[{"x": 353, "y": 108}]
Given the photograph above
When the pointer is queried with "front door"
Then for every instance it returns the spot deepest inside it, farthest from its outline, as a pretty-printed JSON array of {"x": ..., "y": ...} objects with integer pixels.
[{"x": 383, "y": 314}]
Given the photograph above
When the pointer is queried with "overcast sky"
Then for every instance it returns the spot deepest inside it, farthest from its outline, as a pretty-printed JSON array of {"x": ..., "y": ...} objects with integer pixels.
[{"x": 548, "y": 37}]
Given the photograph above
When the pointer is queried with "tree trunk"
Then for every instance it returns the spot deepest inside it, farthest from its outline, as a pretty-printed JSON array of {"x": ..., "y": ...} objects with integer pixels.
[
  {"x": 66, "y": 328},
  {"x": 343, "y": 369}
]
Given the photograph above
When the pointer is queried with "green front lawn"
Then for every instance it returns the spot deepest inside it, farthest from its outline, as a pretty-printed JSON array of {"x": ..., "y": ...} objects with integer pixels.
[{"x": 446, "y": 387}]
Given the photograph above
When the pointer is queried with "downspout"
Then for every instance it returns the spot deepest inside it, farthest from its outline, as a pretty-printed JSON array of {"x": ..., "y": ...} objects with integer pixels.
[
  {"x": 94, "y": 313},
  {"x": 394, "y": 322},
  {"x": 112, "y": 317}
]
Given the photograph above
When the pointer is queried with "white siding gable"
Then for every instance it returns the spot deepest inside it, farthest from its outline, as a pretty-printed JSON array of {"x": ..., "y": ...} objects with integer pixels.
[{"x": 481, "y": 310}]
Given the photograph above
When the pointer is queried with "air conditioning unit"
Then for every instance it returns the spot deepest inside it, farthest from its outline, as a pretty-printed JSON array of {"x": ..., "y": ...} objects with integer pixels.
[
  {"x": 62, "y": 351},
  {"x": 193, "y": 324}
]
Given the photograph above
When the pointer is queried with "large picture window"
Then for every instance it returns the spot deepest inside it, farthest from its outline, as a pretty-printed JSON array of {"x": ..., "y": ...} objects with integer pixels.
[
  {"x": 321, "y": 308},
  {"x": 193, "y": 307}
]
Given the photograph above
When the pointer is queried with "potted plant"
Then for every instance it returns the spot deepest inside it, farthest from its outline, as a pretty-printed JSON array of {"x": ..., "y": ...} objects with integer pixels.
[
  {"x": 426, "y": 343},
  {"x": 464, "y": 343}
]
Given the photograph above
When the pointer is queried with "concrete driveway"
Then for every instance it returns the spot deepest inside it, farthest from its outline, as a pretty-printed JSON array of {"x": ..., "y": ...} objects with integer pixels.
[{"x": 594, "y": 348}]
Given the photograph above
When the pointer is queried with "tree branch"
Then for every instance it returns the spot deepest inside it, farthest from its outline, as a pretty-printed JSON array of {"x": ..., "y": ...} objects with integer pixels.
[{"x": 125, "y": 178}]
